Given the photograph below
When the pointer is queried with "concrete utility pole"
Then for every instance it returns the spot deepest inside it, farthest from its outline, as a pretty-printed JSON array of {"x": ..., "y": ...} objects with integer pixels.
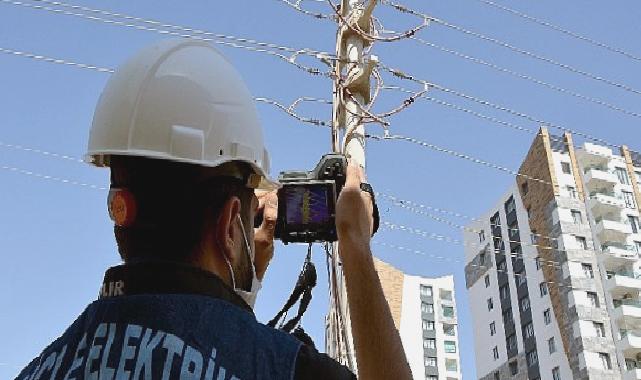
[{"x": 351, "y": 90}]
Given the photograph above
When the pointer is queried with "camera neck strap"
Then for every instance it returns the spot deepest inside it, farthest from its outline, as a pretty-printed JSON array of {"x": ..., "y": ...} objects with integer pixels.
[{"x": 303, "y": 291}]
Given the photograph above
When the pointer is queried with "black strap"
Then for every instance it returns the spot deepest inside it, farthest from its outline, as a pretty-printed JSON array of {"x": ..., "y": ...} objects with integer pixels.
[{"x": 366, "y": 187}]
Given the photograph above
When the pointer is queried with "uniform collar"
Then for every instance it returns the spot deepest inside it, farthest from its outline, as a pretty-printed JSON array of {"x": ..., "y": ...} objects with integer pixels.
[{"x": 157, "y": 277}]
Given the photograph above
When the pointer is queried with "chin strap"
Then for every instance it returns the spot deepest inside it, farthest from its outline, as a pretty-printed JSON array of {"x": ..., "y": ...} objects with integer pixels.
[{"x": 303, "y": 290}]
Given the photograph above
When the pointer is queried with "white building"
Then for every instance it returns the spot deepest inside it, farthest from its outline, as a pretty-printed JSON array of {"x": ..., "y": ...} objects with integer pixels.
[
  {"x": 424, "y": 311},
  {"x": 553, "y": 269}
]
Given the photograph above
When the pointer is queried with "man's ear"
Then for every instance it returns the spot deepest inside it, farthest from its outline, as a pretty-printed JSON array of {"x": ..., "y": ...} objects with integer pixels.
[{"x": 226, "y": 230}]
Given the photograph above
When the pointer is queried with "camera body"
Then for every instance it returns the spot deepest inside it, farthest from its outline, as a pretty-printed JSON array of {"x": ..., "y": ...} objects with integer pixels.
[{"x": 307, "y": 201}]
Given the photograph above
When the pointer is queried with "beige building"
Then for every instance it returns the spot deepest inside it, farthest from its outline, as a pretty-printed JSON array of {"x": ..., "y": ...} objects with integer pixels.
[
  {"x": 553, "y": 270},
  {"x": 424, "y": 311}
]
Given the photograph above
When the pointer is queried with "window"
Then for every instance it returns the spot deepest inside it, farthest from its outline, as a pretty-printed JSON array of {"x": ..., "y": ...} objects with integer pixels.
[
  {"x": 492, "y": 328},
  {"x": 445, "y": 294},
  {"x": 429, "y": 343},
  {"x": 487, "y": 280},
  {"x": 532, "y": 358},
  {"x": 593, "y": 299},
  {"x": 510, "y": 342},
  {"x": 576, "y": 216},
  {"x": 508, "y": 318},
  {"x": 490, "y": 304},
  {"x": 599, "y": 329},
  {"x": 520, "y": 278},
  {"x": 502, "y": 266},
  {"x": 572, "y": 192},
  {"x": 427, "y": 308},
  {"x": 528, "y": 330},
  {"x": 428, "y": 325},
  {"x": 430, "y": 361},
  {"x": 450, "y": 346},
  {"x": 551, "y": 345},
  {"x": 514, "y": 368},
  {"x": 524, "y": 188},
  {"x": 543, "y": 288},
  {"x": 637, "y": 246},
  {"x": 426, "y": 290},
  {"x": 547, "y": 316},
  {"x": 431, "y": 377},
  {"x": 448, "y": 311},
  {"x": 633, "y": 221},
  {"x": 581, "y": 242},
  {"x": 449, "y": 330},
  {"x": 495, "y": 353},
  {"x": 481, "y": 236},
  {"x": 587, "y": 270},
  {"x": 622, "y": 175},
  {"x": 565, "y": 167},
  {"x": 605, "y": 360},
  {"x": 504, "y": 291},
  {"x": 497, "y": 376},
  {"x": 628, "y": 197},
  {"x": 537, "y": 261},
  {"x": 510, "y": 205},
  {"x": 534, "y": 237},
  {"x": 525, "y": 303},
  {"x": 556, "y": 373},
  {"x": 482, "y": 258},
  {"x": 451, "y": 365}
]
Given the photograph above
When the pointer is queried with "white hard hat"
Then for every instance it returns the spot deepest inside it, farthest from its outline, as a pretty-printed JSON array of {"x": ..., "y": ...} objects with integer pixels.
[{"x": 179, "y": 100}]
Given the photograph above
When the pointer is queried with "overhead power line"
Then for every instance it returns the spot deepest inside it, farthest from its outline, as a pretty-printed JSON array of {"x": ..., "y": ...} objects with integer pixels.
[
  {"x": 422, "y": 82},
  {"x": 561, "y": 30},
  {"x": 51, "y": 178},
  {"x": 59, "y": 61},
  {"x": 529, "y": 78},
  {"x": 260, "y": 47},
  {"x": 513, "y": 48}
]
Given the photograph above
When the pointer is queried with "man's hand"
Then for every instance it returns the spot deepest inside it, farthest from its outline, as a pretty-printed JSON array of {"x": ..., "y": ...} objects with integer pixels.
[
  {"x": 354, "y": 222},
  {"x": 264, "y": 235}
]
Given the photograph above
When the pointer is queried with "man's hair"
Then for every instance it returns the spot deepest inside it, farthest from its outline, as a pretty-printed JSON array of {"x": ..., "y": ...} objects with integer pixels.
[{"x": 174, "y": 200}]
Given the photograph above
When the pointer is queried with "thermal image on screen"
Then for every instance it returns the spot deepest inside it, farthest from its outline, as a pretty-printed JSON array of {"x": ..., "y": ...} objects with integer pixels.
[{"x": 307, "y": 205}]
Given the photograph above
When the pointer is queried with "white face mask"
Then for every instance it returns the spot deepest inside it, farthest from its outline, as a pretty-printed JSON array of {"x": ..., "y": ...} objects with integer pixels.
[{"x": 248, "y": 296}]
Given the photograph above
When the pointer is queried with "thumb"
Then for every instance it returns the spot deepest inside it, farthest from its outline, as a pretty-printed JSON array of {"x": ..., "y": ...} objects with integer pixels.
[{"x": 354, "y": 176}]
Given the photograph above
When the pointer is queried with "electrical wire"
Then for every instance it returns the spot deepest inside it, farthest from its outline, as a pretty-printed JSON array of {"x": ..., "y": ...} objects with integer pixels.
[
  {"x": 354, "y": 27},
  {"x": 528, "y": 78},
  {"x": 290, "y": 110},
  {"x": 459, "y": 155},
  {"x": 562, "y": 30},
  {"x": 598, "y": 78},
  {"x": 289, "y": 59},
  {"x": 400, "y": 74},
  {"x": 55, "y": 60},
  {"x": 51, "y": 178},
  {"x": 40, "y": 151},
  {"x": 297, "y": 6}
]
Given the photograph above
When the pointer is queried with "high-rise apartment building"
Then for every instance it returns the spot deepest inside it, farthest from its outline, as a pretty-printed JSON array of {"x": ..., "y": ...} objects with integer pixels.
[
  {"x": 553, "y": 270},
  {"x": 424, "y": 311}
]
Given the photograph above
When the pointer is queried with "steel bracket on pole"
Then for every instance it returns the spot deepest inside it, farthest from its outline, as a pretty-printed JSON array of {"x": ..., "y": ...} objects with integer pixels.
[
  {"x": 358, "y": 79},
  {"x": 359, "y": 18}
]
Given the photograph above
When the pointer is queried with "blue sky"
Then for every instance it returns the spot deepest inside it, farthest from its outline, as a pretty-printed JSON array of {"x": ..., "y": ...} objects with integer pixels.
[{"x": 56, "y": 238}]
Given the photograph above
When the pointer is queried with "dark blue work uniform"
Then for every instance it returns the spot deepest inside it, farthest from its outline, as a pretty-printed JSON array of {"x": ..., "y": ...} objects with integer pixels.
[{"x": 164, "y": 321}]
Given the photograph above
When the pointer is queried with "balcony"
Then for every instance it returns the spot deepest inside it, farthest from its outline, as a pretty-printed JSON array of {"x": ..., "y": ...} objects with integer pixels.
[
  {"x": 628, "y": 313},
  {"x": 597, "y": 179},
  {"x": 614, "y": 257},
  {"x": 593, "y": 155},
  {"x": 622, "y": 283},
  {"x": 612, "y": 231},
  {"x": 630, "y": 343},
  {"x": 603, "y": 204},
  {"x": 632, "y": 374}
]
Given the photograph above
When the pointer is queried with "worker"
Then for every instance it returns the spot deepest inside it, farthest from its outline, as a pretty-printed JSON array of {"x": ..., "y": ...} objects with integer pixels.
[{"x": 179, "y": 131}]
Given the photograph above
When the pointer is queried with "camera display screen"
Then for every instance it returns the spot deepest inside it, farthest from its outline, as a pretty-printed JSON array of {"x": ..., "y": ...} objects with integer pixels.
[{"x": 308, "y": 204}]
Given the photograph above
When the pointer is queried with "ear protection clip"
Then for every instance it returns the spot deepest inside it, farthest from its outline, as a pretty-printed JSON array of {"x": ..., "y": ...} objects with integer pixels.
[{"x": 122, "y": 207}]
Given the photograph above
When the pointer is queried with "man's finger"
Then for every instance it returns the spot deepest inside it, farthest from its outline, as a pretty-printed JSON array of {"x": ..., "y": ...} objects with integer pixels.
[{"x": 354, "y": 176}]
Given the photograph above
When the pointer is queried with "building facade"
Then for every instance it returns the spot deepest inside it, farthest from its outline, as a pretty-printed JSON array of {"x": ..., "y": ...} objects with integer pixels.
[
  {"x": 552, "y": 270},
  {"x": 424, "y": 312}
]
